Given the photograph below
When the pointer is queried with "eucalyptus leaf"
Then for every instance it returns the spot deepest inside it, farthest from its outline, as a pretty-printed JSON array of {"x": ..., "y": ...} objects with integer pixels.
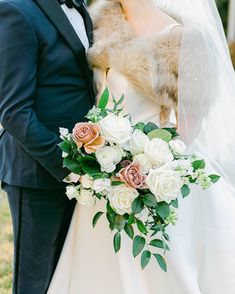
[
  {"x": 129, "y": 230},
  {"x": 137, "y": 205},
  {"x": 163, "y": 209},
  {"x": 198, "y": 164},
  {"x": 138, "y": 245},
  {"x": 131, "y": 219},
  {"x": 161, "y": 261},
  {"x": 175, "y": 203},
  {"x": 159, "y": 244},
  {"x": 119, "y": 222},
  {"x": 145, "y": 258},
  {"x": 150, "y": 127},
  {"x": 117, "y": 242},
  {"x": 142, "y": 228},
  {"x": 161, "y": 134},
  {"x": 150, "y": 200},
  {"x": 96, "y": 218},
  {"x": 185, "y": 190},
  {"x": 214, "y": 178}
]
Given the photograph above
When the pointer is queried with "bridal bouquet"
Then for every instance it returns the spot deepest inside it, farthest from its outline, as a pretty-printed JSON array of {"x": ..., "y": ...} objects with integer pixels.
[{"x": 139, "y": 170}]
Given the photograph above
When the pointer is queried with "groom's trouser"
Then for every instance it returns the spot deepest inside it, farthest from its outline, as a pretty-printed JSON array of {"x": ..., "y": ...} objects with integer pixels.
[{"x": 41, "y": 220}]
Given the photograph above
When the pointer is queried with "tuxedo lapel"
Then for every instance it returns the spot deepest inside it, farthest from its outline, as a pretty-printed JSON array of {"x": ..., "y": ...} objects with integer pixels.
[{"x": 56, "y": 15}]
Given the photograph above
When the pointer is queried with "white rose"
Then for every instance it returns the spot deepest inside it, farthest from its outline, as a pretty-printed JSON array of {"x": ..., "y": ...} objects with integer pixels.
[
  {"x": 158, "y": 152},
  {"x": 178, "y": 146},
  {"x": 164, "y": 184},
  {"x": 72, "y": 192},
  {"x": 63, "y": 132},
  {"x": 121, "y": 198},
  {"x": 115, "y": 129},
  {"x": 144, "y": 162},
  {"x": 86, "y": 197},
  {"x": 86, "y": 181},
  {"x": 101, "y": 186},
  {"x": 137, "y": 142},
  {"x": 108, "y": 157}
]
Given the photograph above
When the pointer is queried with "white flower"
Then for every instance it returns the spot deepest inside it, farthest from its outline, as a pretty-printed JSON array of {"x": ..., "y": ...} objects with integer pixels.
[
  {"x": 158, "y": 152},
  {"x": 72, "y": 191},
  {"x": 137, "y": 142},
  {"x": 121, "y": 198},
  {"x": 178, "y": 146},
  {"x": 64, "y": 154},
  {"x": 101, "y": 186},
  {"x": 164, "y": 184},
  {"x": 63, "y": 133},
  {"x": 115, "y": 129},
  {"x": 145, "y": 163},
  {"x": 184, "y": 166},
  {"x": 108, "y": 157},
  {"x": 86, "y": 181},
  {"x": 86, "y": 198}
]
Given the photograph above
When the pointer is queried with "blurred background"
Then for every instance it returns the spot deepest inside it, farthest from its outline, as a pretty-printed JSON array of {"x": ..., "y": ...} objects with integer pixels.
[{"x": 227, "y": 12}]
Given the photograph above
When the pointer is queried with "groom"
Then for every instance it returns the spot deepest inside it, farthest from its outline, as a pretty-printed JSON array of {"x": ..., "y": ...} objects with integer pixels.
[{"x": 45, "y": 83}]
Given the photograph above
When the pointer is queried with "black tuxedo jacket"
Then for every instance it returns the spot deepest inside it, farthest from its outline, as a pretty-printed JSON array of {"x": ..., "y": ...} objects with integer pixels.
[{"x": 45, "y": 83}]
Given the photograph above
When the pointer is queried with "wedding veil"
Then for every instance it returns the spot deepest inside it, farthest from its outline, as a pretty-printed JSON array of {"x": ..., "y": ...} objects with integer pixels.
[{"x": 207, "y": 115}]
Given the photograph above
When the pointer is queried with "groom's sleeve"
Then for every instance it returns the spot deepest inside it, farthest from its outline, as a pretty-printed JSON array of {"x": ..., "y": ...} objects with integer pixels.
[{"x": 18, "y": 78}]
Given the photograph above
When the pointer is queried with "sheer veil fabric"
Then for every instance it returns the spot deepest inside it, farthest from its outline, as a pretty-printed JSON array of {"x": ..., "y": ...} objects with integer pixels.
[
  {"x": 206, "y": 115},
  {"x": 202, "y": 256}
]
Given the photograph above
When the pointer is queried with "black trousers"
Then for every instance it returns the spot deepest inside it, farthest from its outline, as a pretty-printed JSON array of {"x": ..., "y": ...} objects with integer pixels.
[{"x": 41, "y": 220}]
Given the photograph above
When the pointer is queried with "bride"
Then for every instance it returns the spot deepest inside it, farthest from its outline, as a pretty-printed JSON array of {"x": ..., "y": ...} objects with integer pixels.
[{"x": 202, "y": 256}]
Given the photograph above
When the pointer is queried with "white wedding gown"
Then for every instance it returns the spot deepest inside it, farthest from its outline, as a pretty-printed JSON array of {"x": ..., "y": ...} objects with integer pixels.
[{"x": 88, "y": 264}]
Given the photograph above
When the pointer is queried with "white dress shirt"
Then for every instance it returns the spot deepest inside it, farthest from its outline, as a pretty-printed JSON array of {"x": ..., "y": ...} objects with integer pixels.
[{"x": 77, "y": 22}]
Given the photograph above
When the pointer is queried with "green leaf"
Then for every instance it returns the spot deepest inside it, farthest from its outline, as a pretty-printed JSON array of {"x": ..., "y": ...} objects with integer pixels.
[
  {"x": 111, "y": 220},
  {"x": 121, "y": 100},
  {"x": 159, "y": 244},
  {"x": 72, "y": 164},
  {"x": 163, "y": 209},
  {"x": 104, "y": 99},
  {"x": 116, "y": 183},
  {"x": 198, "y": 164},
  {"x": 166, "y": 236},
  {"x": 161, "y": 134},
  {"x": 140, "y": 126},
  {"x": 175, "y": 203},
  {"x": 185, "y": 190},
  {"x": 89, "y": 165},
  {"x": 138, "y": 245},
  {"x": 150, "y": 200},
  {"x": 150, "y": 127},
  {"x": 172, "y": 131},
  {"x": 117, "y": 242},
  {"x": 145, "y": 258},
  {"x": 142, "y": 228},
  {"x": 131, "y": 219},
  {"x": 65, "y": 146},
  {"x": 129, "y": 230},
  {"x": 137, "y": 205},
  {"x": 119, "y": 222},
  {"x": 214, "y": 178},
  {"x": 109, "y": 208},
  {"x": 96, "y": 218},
  {"x": 161, "y": 261}
]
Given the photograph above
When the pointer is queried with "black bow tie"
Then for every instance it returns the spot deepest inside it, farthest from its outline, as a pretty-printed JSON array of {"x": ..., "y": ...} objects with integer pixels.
[{"x": 71, "y": 3}]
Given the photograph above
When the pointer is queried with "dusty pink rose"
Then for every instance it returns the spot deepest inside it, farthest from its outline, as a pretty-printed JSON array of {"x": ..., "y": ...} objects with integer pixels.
[
  {"x": 88, "y": 136},
  {"x": 131, "y": 175},
  {"x": 125, "y": 163}
]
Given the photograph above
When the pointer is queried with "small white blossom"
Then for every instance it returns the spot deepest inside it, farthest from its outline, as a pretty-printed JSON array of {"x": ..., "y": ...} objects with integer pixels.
[
  {"x": 178, "y": 146},
  {"x": 63, "y": 133},
  {"x": 72, "y": 191},
  {"x": 64, "y": 154},
  {"x": 102, "y": 186},
  {"x": 86, "y": 197},
  {"x": 184, "y": 166}
]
